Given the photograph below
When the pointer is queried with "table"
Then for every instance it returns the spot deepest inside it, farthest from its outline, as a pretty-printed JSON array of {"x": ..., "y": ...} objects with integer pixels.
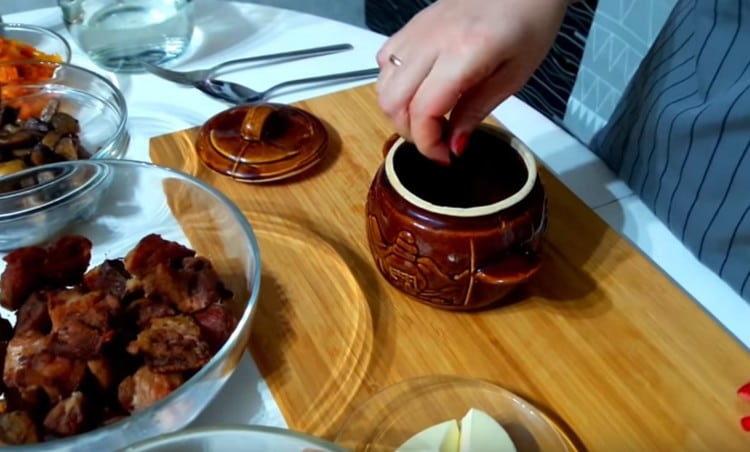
[{"x": 226, "y": 30}]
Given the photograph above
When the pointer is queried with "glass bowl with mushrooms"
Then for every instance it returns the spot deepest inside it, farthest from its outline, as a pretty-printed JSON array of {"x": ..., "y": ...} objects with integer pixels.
[{"x": 55, "y": 112}]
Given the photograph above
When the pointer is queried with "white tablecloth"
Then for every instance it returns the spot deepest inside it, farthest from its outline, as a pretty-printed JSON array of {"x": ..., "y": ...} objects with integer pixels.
[{"x": 227, "y": 30}]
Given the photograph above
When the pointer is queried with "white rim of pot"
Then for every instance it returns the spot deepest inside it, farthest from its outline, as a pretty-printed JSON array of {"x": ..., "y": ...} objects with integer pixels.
[{"x": 477, "y": 211}]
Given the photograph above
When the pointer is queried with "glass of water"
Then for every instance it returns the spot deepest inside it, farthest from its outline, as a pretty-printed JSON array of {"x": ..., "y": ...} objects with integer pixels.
[{"x": 119, "y": 34}]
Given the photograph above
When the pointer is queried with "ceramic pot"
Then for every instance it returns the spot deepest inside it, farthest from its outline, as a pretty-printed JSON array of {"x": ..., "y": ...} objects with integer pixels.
[{"x": 458, "y": 254}]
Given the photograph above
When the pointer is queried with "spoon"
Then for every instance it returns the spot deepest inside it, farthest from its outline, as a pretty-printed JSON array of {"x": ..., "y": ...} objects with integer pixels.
[{"x": 237, "y": 93}]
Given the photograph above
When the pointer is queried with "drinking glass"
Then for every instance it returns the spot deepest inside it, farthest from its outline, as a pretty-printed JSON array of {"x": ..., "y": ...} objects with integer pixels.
[{"x": 119, "y": 34}]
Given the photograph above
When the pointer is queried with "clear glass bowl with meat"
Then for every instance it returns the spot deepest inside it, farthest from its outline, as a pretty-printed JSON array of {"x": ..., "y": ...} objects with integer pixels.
[
  {"x": 55, "y": 112},
  {"x": 125, "y": 321}
]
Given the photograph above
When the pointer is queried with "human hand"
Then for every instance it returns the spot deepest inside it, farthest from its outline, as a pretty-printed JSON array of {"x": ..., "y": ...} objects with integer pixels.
[{"x": 464, "y": 57}]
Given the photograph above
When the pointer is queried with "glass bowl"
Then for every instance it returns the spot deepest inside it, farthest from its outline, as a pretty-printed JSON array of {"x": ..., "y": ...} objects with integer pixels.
[
  {"x": 115, "y": 203},
  {"x": 43, "y": 39},
  {"x": 93, "y": 100},
  {"x": 235, "y": 438},
  {"x": 400, "y": 411}
]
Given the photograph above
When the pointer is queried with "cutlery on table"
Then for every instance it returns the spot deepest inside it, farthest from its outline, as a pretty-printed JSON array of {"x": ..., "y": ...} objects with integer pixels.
[
  {"x": 191, "y": 77},
  {"x": 237, "y": 93}
]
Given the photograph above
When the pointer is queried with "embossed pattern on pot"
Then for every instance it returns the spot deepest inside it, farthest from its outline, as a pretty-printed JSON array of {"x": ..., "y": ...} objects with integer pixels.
[{"x": 453, "y": 262}]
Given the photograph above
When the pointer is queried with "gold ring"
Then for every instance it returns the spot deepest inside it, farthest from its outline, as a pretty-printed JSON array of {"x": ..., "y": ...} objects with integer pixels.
[{"x": 396, "y": 61}]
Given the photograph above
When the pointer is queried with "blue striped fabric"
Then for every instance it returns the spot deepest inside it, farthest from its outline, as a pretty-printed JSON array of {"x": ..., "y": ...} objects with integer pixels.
[{"x": 680, "y": 136}]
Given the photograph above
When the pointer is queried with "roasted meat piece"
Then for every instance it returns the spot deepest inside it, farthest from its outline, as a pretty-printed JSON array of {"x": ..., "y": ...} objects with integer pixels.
[
  {"x": 95, "y": 308},
  {"x": 102, "y": 371},
  {"x": 110, "y": 277},
  {"x": 81, "y": 322},
  {"x": 203, "y": 283},
  {"x": 16, "y": 428},
  {"x": 33, "y": 401},
  {"x": 191, "y": 287},
  {"x": 171, "y": 344},
  {"x": 22, "y": 276},
  {"x": 216, "y": 323},
  {"x": 67, "y": 260},
  {"x": 30, "y": 365},
  {"x": 6, "y": 331},
  {"x": 76, "y": 339},
  {"x": 142, "y": 311},
  {"x": 153, "y": 250},
  {"x": 33, "y": 315},
  {"x": 69, "y": 417},
  {"x": 33, "y": 268},
  {"x": 146, "y": 387},
  {"x": 170, "y": 271},
  {"x": 138, "y": 327},
  {"x": 126, "y": 393},
  {"x": 3, "y": 390}
]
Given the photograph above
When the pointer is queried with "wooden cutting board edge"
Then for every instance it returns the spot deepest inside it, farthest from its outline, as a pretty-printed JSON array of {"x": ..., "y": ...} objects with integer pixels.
[{"x": 732, "y": 352}]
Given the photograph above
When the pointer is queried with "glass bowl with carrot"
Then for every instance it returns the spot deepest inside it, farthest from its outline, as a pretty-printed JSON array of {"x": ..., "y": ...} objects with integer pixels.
[{"x": 19, "y": 42}]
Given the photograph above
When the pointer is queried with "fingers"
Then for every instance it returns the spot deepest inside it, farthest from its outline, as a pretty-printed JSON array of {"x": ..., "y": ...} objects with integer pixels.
[
  {"x": 437, "y": 94},
  {"x": 397, "y": 84},
  {"x": 478, "y": 102}
]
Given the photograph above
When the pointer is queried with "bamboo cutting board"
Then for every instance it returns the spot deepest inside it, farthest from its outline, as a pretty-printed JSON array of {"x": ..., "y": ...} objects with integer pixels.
[{"x": 601, "y": 340}]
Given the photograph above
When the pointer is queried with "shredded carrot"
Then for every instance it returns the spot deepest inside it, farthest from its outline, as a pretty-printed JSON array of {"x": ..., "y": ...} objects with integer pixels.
[
  {"x": 14, "y": 68},
  {"x": 12, "y": 51},
  {"x": 8, "y": 73}
]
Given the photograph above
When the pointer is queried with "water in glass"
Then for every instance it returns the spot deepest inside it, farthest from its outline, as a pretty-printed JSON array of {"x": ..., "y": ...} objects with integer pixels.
[{"x": 119, "y": 34}]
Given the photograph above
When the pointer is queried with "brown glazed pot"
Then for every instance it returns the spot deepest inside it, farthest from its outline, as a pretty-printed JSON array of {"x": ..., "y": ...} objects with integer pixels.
[{"x": 455, "y": 258}]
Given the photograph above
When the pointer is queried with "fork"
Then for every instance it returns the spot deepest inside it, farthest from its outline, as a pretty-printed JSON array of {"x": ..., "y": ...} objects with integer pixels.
[
  {"x": 192, "y": 77},
  {"x": 237, "y": 93}
]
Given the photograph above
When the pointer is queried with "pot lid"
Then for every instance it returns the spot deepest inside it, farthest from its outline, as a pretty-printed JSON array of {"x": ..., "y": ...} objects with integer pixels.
[{"x": 262, "y": 142}]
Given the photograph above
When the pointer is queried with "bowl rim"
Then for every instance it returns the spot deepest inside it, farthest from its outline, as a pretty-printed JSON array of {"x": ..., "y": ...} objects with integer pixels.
[
  {"x": 221, "y": 354},
  {"x": 468, "y": 212},
  {"x": 117, "y": 94},
  {"x": 45, "y": 31},
  {"x": 62, "y": 169},
  {"x": 231, "y": 428}
]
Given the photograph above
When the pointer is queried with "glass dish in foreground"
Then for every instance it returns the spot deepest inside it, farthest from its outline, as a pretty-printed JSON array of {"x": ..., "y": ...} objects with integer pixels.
[{"x": 394, "y": 415}]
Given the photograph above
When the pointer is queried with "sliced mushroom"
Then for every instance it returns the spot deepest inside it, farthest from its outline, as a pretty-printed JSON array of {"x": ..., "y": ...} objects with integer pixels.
[
  {"x": 10, "y": 128},
  {"x": 12, "y": 166},
  {"x": 22, "y": 153},
  {"x": 37, "y": 157},
  {"x": 41, "y": 155},
  {"x": 64, "y": 124},
  {"x": 51, "y": 139},
  {"x": 82, "y": 152},
  {"x": 67, "y": 149},
  {"x": 45, "y": 176},
  {"x": 19, "y": 139},
  {"x": 49, "y": 110}
]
